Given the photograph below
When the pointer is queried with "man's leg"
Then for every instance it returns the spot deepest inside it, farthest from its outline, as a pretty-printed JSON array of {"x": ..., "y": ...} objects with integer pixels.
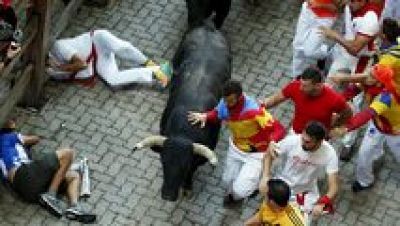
[
  {"x": 108, "y": 70},
  {"x": 249, "y": 177},
  {"x": 65, "y": 158},
  {"x": 108, "y": 47},
  {"x": 75, "y": 211},
  {"x": 49, "y": 199},
  {"x": 316, "y": 48},
  {"x": 299, "y": 40},
  {"x": 310, "y": 199},
  {"x": 231, "y": 170},
  {"x": 73, "y": 180},
  {"x": 393, "y": 142},
  {"x": 371, "y": 149},
  {"x": 108, "y": 43},
  {"x": 349, "y": 140}
]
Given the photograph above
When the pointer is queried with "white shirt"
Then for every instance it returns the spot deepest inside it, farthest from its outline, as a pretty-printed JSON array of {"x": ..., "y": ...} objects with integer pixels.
[
  {"x": 368, "y": 25},
  {"x": 63, "y": 50},
  {"x": 302, "y": 168}
]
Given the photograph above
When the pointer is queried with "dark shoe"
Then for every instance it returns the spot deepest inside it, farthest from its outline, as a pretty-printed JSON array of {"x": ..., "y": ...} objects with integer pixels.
[
  {"x": 229, "y": 201},
  {"x": 346, "y": 153},
  {"x": 357, "y": 187},
  {"x": 51, "y": 203},
  {"x": 78, "y": 214}
]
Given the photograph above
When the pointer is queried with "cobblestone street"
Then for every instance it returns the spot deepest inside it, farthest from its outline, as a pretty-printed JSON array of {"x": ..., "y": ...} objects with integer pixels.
[{"x": 104, "y": 125}]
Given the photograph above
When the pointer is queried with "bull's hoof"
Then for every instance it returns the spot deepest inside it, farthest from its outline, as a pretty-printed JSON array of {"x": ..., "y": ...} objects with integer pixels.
[{"x": 188, "y": 194}]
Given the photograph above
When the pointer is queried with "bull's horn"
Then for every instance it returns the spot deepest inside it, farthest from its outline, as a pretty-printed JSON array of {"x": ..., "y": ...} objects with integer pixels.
[
  {"x": 155, "y": 140},
  {"x": 205, "y": 152}
]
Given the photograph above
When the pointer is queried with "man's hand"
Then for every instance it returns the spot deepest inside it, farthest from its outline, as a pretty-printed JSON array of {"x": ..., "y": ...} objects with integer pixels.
[
  {"x": 328, "y": 33},
  {"x": 273, "y": 149},
  {"x": 197, "y": 117},
  {"x": 318, "y": 210},
  {"x": 338, "y": 132},
  {"x": 13, "y": 50}
]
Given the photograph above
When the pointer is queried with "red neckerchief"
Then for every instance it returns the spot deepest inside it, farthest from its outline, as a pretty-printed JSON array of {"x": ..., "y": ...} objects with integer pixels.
[
  {"x": 374, "y": 7},
  {"x": 237, "y": 108}
]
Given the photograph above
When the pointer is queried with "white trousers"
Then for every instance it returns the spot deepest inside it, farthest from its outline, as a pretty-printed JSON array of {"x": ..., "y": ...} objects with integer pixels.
[
  {"x": 308, "y": 44},
  {"x": 108, "y": 47},
  {"x": 350, "y": 138},
  {"x": 341, "y": 59},
  {"x": 311, "y": 197},
  {"x": 371, "y": 149},
  {"x": 242, "y": 172}
]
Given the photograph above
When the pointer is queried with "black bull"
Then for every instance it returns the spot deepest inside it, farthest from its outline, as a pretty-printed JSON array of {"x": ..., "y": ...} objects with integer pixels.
[{"x": 202, "y": 65}]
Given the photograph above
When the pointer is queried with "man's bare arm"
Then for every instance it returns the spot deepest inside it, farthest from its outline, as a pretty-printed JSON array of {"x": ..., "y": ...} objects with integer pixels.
[
  {"x": 333, "y": 185},
  {"x": 340, "y": 78},
  {"x": 274, "y": 100},
  {"x": 343, "y": 116},
  {"x": 75, "y": 65},
  {"x": 351, "y": 46},
  {"x": 30, "y": 139}
]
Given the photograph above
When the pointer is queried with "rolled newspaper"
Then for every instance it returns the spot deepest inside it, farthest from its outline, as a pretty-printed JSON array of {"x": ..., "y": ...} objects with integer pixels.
[{"x": 85, "y": 185}]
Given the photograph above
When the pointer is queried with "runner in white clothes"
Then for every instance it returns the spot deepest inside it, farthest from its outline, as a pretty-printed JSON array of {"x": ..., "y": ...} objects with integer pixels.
[
  {"x": 95, "y": 52},
  {"x": 308, "y": 45},
  {"x": 305, "y": 156}
]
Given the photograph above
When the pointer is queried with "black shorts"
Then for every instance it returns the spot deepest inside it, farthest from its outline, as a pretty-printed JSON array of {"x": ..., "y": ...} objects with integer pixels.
[{"x": 34, "y": 178}]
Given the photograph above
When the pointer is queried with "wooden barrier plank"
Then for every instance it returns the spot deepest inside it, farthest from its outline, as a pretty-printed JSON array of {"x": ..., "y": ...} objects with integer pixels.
[
  {"x": 38, "y": 53},
  {"x": 16, "y": 93}
]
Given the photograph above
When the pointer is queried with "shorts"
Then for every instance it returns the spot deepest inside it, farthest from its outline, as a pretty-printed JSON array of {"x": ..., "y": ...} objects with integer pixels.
[{"x": 34, "y": 178}]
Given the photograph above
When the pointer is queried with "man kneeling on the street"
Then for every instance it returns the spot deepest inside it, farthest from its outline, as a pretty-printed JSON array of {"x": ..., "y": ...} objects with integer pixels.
[
  {"x": 304, "y": 157},
  {"x": 40, "y": 179}
]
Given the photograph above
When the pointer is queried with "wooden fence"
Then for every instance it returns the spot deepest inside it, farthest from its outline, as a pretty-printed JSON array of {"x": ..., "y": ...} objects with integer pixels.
[{"x": 26, "y": 71}]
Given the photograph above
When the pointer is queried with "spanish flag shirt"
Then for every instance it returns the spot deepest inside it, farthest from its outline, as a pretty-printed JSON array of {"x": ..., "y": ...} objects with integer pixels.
[
  {"x": 251, "y": 125},
  {"x": 387, "y": 109}
]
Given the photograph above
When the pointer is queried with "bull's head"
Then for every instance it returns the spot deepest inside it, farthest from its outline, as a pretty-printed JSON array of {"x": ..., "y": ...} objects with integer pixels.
[{"x": 177, "y": 159}]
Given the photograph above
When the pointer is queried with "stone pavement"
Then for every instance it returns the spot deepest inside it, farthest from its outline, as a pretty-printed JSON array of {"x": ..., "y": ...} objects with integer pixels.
[{"x": 103, "y": 125}]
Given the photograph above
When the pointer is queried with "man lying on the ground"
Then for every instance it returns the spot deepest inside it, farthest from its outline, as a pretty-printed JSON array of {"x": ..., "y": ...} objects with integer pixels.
[
  {"x": 94, "y": 52},
  {"x": 41, "y": 179}
]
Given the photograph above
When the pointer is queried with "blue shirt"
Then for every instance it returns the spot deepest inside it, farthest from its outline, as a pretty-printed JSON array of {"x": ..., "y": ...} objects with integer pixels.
[{"x": 12, "y": 152}]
